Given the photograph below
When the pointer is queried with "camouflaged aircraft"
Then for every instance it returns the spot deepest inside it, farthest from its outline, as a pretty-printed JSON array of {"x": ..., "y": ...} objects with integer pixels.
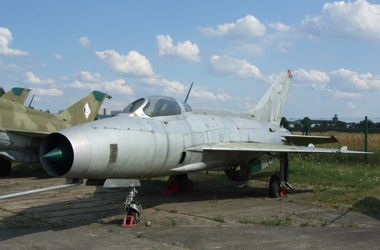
[
  {"x": 160, "y": 136},
  {"x": 17, "y": 95},
  {"x": 22, "y": 129}
]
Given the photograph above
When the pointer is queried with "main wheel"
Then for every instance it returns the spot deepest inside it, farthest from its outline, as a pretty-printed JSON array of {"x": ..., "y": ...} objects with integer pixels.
[
  {"x": 274, "y": 186},
  {"x": 5, "y": 167},
  {"x": 183, "y": 182},
  {"x": 238, "y": 173}
]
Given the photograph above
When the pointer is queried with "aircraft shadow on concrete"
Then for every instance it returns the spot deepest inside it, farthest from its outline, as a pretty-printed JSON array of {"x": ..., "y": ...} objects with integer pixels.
[{"x": 105, "y": 206}]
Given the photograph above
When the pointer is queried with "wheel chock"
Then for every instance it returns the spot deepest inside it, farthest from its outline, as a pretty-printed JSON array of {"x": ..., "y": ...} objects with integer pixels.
[
  {"x": 173, "y": 188},
  {"x": 129, "y": 221},
  {"x": 283, "y": 192}
]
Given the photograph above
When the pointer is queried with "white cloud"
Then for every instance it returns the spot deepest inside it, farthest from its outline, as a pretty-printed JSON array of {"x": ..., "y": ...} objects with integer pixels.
[
  {"x": 84, "y": 42},
  {"x": 337, "y": 94},
  {"x": 354, "y": 20},
  {"x": 356, "y": 81},
  {"x": 170, "y": 87},
  {"x": 313, "y": 75},
  {"x": 280, "y": 27},
  {"x": 29, "y": 77},
  {"x": 185, "y": 50},
  {"x": 86, "y": 80},
  {"x": 132, "y": 64},
  {"x": 10, "y": 67},
  {"x": 5, "y": 41},
  {"x": 338, "y": 84},
  {"x": 350, "y": 105},
  {"x": 207, "y": 95},
  {"x": 86, "y": 76},
  {"x": 248, "y": 26},
  {"x": 76, "y": 84},
  {"x": 47, "y": 92},
  {"x": 57, "y": 56},
  {"x": 118, "y": 86},
  {"x": 203, "y": 94},
  {"x": 226, "y": 65}
]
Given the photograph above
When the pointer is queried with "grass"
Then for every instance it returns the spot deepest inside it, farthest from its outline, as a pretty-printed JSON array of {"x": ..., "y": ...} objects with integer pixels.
[
  {"x": 354, "y": 185},
  {"x": 354, "y": 141},
  {"x": 337, "y": 179}
]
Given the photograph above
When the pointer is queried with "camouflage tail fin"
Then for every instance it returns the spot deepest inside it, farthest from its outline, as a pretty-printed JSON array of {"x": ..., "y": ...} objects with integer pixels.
[
  {"x": 84, "y": 110},
  {"x": 17, "y": 95},
  {"x": 271, "y": 105}
]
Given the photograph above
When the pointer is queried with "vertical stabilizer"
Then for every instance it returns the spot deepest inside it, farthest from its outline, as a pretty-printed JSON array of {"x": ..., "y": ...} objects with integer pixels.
[
  {"x": 17, "y": 95},
  {"x": 271, "y": 106},
  {"x": 84, "y": 110}
]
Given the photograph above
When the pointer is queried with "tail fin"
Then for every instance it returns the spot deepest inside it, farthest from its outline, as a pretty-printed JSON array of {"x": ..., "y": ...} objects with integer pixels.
[
  {"x": 84, "y": 110},
  {"x": 271, "y": 106},
  {"x": 17, "y": 95}
]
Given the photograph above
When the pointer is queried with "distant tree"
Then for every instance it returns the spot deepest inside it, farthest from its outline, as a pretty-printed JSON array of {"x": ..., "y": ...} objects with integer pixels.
[
  {"x": 371, "y": 124},
  {"x": 324, "y": 124},
  {"x": 340, "y": 124},
  {"x": 284, "y": 122},
  {"x": 2, "y": 92}
]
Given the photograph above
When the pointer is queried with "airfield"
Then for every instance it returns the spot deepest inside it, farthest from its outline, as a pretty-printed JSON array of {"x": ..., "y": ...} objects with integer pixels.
[{"x": 216, "y": 214}]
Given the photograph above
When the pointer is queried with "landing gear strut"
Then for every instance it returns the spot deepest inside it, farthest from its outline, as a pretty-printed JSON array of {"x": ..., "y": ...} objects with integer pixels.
[
  {"x": 132, "y": 207},
  {"x": 278, "y": 185},
  {"x": 5, "y": 167}
]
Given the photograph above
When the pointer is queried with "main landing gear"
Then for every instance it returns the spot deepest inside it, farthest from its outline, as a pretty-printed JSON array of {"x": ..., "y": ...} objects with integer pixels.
[
  {"x": 278, "y": 185},
  {"x": 5, "y": 167}
]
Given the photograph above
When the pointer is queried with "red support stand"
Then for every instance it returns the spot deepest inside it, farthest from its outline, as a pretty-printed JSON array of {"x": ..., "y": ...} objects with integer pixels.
[
  {"x": 129, "y": 221},
  {"x": 172, "y": 188},
  {"x": 283, "y": 192}
]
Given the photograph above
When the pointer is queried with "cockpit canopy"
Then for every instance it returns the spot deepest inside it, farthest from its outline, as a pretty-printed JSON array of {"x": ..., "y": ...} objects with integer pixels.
[{"x": 157, "y": 106}]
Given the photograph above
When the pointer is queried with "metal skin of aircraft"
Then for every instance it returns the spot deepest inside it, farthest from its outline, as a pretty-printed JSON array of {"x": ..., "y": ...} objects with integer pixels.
[
  {"x": 160, "y": 136},
  {"x": 22, "y": 129},
  {"x": 17, "y": 95}
]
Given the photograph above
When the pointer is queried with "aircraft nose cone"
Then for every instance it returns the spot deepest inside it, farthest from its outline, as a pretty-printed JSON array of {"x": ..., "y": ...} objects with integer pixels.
[{"x": 60, "y": 154}]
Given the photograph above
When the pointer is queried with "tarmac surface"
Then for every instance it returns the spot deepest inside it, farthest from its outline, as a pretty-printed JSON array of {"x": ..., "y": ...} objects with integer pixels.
[{"x": 216, "y": 214}]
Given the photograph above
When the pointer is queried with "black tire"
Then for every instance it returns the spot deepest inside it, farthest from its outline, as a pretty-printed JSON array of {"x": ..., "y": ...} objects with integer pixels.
[
  {"x": 236, "y": 174},
  {"x": 5, "y": 167},
  {"x": 274, "y": 186},
  {"x": 183, "y": 182}
]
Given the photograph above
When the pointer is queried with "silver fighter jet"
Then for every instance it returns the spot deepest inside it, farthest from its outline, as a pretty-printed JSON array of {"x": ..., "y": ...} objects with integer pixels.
[{"x": 161, "y": 136}]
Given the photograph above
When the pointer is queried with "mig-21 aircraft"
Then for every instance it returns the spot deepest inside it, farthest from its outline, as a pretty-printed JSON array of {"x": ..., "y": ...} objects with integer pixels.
[
  {"x": 22, "y": 129},
  {"x": 160, "y": 136},
  {"x": 17, "y": 95}
]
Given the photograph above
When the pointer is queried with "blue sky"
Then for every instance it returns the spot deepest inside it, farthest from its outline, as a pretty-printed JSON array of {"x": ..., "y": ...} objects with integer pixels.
[{"x": 231, "y": 50}]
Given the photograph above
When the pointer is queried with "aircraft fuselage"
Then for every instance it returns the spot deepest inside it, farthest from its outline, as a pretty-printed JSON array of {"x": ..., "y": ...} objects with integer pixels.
[{"x": 126, "y": 146}]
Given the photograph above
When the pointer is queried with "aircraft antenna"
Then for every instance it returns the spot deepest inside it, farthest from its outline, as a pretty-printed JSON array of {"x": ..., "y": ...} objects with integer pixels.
[
  {"x": 31, "y": 102},
  {"x": 187, "y": 96}
]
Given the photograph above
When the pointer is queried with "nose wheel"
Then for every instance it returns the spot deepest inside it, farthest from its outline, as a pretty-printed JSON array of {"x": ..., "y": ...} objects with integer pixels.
[{"x": 132, "y": 207}]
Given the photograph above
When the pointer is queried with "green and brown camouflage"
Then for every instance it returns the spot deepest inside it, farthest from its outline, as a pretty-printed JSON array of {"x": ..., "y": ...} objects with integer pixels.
[
  {"x": 17, "y": 95},
  {"x": 22, "y": 129}
]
